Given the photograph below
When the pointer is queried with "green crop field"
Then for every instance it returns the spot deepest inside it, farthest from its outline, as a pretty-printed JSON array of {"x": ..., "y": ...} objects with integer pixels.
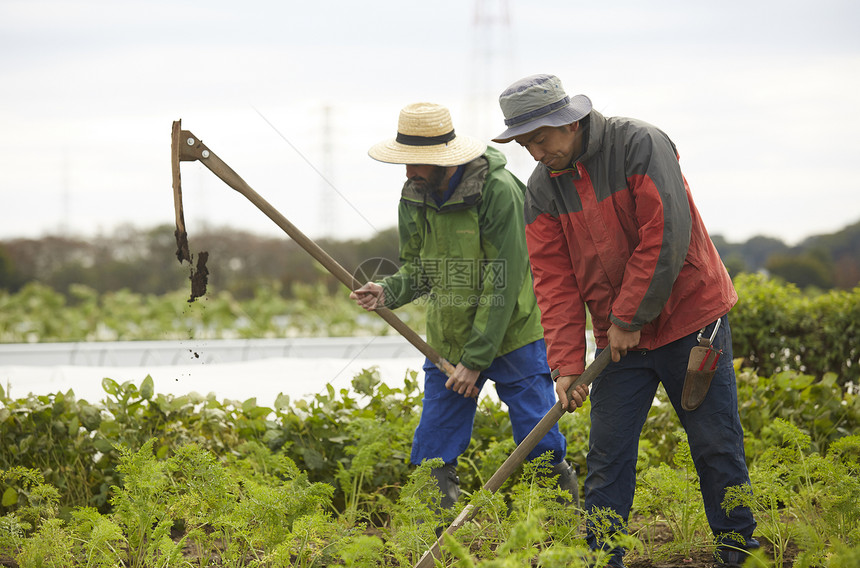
[{"x": 145, "y": 479}]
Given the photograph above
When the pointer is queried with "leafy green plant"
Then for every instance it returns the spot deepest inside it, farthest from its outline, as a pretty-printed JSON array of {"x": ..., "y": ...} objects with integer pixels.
[
  {"x": 777, "y": 477},
  {"x": 491, "y": 525},
  {"x": 34, "y": 500},
  {"x": 818, "y": 406},
  {"x": 49, "y": 547},
  {"x": 841, "y": 557},
  {"x": 414, "y": 517},
  {"x": 31, "y": 503},
  {"x": 203, "y": 493},
  {"x": 372, "y": 445},
  {"x": 537, "y": 490},
  {"x": 51, "y": 434},
  {"x": 610, "y": 530},
  {"x": 362, "y": 551},
  {"x": 673, "y": 495},
  {"x": 140, "y": 507},
  {"x": 311, "y": 542},
  {"x": 830, "y": 515},
  {"x": 12, "y": 534},
  {"x": 98, "y": 541},
  {"x": 518, "y": 550},
  {"x": 274, "y": 496}
]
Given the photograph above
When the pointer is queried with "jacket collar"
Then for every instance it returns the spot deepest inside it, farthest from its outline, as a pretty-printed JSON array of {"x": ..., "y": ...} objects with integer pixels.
[
  {"x": 467, "y": 193},
  {"x": 594, "y": 134}
]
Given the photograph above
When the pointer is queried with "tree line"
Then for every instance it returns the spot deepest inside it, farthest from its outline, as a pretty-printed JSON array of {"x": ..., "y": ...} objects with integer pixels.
[
  {"x": 144, "y": 260},
  {"x": 829, "y": 261}
]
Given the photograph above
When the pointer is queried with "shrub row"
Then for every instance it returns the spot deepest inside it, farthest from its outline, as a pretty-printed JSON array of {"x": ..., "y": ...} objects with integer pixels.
[{"x": 776, "y": 327}]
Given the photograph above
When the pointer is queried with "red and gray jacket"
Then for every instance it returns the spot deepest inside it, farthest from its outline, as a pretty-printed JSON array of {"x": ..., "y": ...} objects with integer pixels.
[{"x": 618, "y": 232}]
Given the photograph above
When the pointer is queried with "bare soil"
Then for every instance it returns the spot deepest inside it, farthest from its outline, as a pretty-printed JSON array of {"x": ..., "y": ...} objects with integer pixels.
[{"x": 662, "y": 535}]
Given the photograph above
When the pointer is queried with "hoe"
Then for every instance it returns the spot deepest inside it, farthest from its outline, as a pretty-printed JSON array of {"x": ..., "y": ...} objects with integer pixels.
[{"x": 187, "y": 147}]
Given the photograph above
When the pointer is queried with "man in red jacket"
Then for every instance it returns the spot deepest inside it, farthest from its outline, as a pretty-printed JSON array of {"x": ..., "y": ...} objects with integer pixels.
[{"x": 611, "y": 226}]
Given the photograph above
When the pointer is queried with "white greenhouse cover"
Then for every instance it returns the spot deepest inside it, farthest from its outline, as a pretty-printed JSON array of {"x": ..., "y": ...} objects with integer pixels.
[{"x": 231, "y": 369}]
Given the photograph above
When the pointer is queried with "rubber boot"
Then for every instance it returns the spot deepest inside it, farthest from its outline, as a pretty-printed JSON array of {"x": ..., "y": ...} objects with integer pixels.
[
  {"x": 566, "y": 481},
  {"x": 730, "y": 554},
  {"x": 449, "y": 484},
  {"x": 449, "y": 487}
]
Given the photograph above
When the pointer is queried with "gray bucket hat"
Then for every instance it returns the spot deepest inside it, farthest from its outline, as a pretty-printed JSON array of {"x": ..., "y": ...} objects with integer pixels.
[{"x": 538, "y": 100}]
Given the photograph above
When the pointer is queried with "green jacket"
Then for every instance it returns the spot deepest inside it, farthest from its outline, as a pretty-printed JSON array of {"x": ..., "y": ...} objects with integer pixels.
[{"x": 469, "y": 257}]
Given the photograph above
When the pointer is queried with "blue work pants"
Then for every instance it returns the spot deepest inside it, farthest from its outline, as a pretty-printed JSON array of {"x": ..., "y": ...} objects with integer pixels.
[{"x": 522, "y": 382}]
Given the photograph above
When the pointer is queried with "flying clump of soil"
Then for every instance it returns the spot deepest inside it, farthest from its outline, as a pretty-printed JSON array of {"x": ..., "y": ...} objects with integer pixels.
[
  {"x": 199, "y": 275},
  {"x": 182, "y": 246}
]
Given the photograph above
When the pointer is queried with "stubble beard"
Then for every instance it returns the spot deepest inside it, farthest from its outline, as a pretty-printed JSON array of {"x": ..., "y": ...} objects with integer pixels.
[{"x": 432, "y": 184}]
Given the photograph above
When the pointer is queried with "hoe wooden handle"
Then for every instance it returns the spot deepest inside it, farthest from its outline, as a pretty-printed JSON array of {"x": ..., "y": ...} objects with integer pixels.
[
  {"x": 191, "y": 148},
  {"x": 518, "y": 455}
]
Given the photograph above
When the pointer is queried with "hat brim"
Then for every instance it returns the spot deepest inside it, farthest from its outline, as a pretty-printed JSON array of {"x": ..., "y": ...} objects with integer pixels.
[
  {"x": 461, "y": 150},
  {"x": 579, "y": 107}
]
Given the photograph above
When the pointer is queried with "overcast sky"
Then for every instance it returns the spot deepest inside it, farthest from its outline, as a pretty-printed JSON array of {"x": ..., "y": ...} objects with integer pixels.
[{"x": 762, "y": 100}]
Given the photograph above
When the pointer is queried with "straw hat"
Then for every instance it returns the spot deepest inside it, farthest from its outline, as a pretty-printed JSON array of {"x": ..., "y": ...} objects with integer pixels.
[
  {"x": 425, "y": 135},
  {"x": 536, "y": 101}
]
